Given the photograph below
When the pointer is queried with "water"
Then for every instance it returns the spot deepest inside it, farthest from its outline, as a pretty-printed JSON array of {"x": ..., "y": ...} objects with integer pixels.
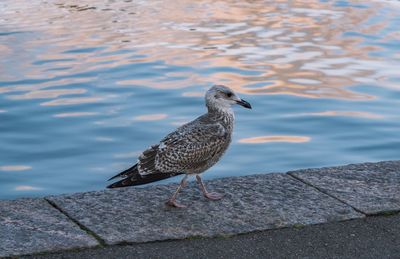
[{"x": 85, "y": 86}]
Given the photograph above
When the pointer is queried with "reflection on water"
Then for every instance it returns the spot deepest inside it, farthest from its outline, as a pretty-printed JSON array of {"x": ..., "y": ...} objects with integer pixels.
[
  {"x": 27, "y": 188},
  {"x": 15, "y": 168},
  {"x": 72, "y": 101},
  {"x": 85, "y": 85},
  {"x": 308, "y": 48},
  {"x": 46, "y": 94},
  {"x": 74, "y": 114},
  {"x": 151, "y": 117},
  {"x": 104, "y": 139},
  {"x": 348, "y": 113},
  {"x": 265, "y": 139}
]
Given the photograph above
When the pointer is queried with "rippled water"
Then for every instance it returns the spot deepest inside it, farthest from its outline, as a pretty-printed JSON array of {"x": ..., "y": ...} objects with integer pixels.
[{"x": 86, "y": 85}]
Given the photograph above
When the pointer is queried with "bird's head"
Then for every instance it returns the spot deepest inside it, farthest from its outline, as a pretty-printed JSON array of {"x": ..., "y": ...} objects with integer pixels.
[{"x": 221, "y": 97}]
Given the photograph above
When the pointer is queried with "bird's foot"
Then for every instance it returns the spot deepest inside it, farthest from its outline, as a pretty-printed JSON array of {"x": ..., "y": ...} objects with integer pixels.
[
  {"x": 173, "y": 203},
  {"x": 214, "y": 196}
]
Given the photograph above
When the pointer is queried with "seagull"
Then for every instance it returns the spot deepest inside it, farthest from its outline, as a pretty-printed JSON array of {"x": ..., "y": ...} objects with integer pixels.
[{"x": 191, "y": 149}]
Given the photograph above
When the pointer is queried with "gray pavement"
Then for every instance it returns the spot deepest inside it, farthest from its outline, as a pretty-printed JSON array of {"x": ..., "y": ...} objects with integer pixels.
[
  {"x": 370, "y": 188},
  {"x": 371, "y": 237},
  {"x": 32, "y": 225},
  {"x": 251, "y": 203},
  {"x": 271, "y": 207}
]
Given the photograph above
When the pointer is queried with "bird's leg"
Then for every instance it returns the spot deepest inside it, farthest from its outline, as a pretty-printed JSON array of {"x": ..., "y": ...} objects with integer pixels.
[
  {"x": 172, "y": 201},
  {"x": 210, "y": 195}
]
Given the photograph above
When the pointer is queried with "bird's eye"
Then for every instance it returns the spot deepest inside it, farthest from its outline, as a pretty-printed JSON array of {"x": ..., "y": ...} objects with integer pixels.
[{"x": 229, "y": 95}]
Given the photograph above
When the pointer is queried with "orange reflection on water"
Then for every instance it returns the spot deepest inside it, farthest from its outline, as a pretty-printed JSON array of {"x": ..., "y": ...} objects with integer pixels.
[
  {"x": 27, "y": 188},
  {"x": 40, "y": 86},
  {"x": 15, "y": 168},
  {"x": 72, "y": 101},
  {"x": 46, "y": 94},
  {"x": 151, "y": 117},
  {"x": 358, "y": 114},
  {"x": 285, "y": 47},
  {"x": 74, "y": 114},
  {"x": 266, "y": 139}
]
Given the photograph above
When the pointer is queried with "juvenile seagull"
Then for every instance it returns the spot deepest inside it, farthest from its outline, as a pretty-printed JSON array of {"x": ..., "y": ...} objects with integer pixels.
[{"x": 191, "y": 149}]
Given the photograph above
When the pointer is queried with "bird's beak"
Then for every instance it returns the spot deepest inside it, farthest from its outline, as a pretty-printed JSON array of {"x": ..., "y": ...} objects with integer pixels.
[{"x": 244, "y": 103}]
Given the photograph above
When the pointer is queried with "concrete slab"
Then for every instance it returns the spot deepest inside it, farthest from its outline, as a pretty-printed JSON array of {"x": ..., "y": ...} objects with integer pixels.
[
  {"x": 360, "y": 238},
  {"x": 251, "y": 203},
  {"x": 31, "y": 226},
  {"x": 370, "y": 187}
]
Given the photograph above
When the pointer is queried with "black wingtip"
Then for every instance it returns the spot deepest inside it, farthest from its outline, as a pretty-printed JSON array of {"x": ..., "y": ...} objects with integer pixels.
[
  {"x": 122, "y": 183},
  {"x": 115, "y": 176},
  {"x": 123, "y": 173},
  {"x": 113, "y": 185},
  {"x": 139, "y": 180}
]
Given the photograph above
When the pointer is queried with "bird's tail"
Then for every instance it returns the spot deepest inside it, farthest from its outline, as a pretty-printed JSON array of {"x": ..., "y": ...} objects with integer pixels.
[
  {"x": 132, "y": 178},
  {"x": 130, "y": 171}
]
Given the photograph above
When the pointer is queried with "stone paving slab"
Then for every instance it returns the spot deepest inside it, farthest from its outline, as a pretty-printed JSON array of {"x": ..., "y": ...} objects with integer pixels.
[
  {"x": 251, "y": 203},
  {"x": 370, "y": 187},
  {"x": 33, "y": 226},
  {"x": 365, "y": 238}
]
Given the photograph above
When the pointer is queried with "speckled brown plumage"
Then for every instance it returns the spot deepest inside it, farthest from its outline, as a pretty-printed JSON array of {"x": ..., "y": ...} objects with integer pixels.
[{"x": 191, "y": 148}]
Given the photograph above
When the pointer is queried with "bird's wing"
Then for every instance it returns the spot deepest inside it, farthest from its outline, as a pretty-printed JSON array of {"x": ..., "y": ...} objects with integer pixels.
[{"x": 190, "y": 146}]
